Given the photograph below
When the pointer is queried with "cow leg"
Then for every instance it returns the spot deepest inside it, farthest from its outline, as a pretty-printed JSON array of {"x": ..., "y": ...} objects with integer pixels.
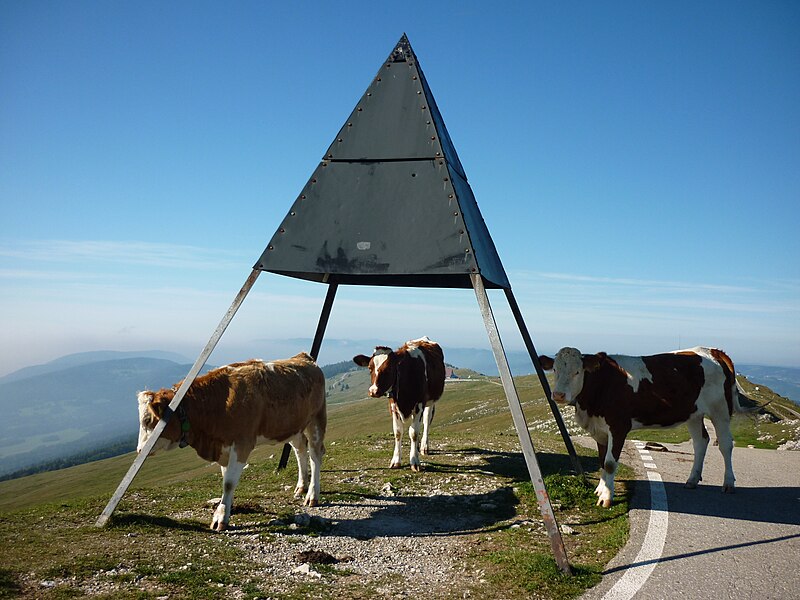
[
  {"x": 722, "y": 425},
  {"x": 609, "y": 454},
  {"x": 397, "y": 426},
  {"x": 316, "y": 435},
  {"x": 605, "y": 487},
  {"x": 427, "y": 419},
  {"x": 413, "y": 434},
  {"x": 230, "y": 479},
  {"x": 697, "y": 429},
  {"x": 299, "y": 443},
  {"x": 616, "y": 442},
  {"x": 602, "y": 448}
]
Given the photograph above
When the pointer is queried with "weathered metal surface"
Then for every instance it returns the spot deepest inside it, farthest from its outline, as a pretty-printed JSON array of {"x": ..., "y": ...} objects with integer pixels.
[
  {"x": 369, "y": 222},
  {"x": 396, "y": 118},
  {"x": 390, "y": 203}
]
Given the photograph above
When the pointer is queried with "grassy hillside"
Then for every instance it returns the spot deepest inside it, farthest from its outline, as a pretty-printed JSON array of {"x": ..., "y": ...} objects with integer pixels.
[
  {"x": 46, "y": 521},
  {"x": 158, "y": 543}
]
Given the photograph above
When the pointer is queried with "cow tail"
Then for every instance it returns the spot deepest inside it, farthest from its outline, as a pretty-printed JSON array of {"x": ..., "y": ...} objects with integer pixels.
[
  {"x": 284, "y": 460},
  {"x": 750, "y": 406}
]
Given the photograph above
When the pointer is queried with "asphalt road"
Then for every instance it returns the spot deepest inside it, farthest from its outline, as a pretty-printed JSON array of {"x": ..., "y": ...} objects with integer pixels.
[{"x": 702, "y": 543}]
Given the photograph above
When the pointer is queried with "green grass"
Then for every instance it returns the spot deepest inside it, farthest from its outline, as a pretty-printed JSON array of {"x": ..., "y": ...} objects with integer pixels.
[{"x": 158, "y": 542}]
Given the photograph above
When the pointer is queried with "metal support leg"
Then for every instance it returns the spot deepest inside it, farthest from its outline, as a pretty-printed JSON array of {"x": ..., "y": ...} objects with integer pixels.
[
  {"x": 546, "y": 509},
  {"x": 315, "y": 347},
  {"x": 176, "y": 400},
  {"x": 512, "y": 302},
  {"x": 323, "y": 320}
]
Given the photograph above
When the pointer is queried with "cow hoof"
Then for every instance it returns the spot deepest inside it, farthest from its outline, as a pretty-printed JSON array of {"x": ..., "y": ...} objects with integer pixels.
[
  {"x": 605, "y": 503},
  {"x": 690, "y": 485},
  {"x": 394, "y": 465},
  {"x": 416, "y": 468},
  {"x": 218, "y": 526},
  {"x": 728, "y": 489},
  {"x": 311, "y": 502}
]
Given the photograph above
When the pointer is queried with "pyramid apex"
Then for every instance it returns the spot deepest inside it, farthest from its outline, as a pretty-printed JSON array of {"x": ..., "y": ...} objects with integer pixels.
[{"x": 402, "y": 51}]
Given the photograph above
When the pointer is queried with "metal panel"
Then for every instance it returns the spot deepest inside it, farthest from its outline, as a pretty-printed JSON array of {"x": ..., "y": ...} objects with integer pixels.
[
  {"x": 390, "y": 121},
  {"x": 489, "y": 263},
  {"x": 396, "y": 118},
  {"x": 374, "y": 219}
]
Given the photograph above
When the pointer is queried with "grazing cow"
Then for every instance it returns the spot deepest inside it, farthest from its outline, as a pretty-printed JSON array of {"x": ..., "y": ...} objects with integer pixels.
[
  {"x": 229, "y": 410},
  {"x": 413, "y": 376},
  {"x": 614, "y": 394}
]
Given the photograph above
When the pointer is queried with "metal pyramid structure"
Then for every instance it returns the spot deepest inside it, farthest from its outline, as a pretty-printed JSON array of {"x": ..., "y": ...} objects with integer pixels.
[{"x": 389, "y": 204}]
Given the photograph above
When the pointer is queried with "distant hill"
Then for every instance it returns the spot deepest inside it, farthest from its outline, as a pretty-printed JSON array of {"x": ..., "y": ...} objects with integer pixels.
[
  {"x": 75, "y": 406},
  {"x": 84, "y": 358}
]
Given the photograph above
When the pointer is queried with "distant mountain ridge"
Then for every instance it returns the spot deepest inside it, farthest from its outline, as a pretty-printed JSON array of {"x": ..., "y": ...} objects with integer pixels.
[
  {"x": 75, "y": 406},
  {"x": 83, "y": 358}
]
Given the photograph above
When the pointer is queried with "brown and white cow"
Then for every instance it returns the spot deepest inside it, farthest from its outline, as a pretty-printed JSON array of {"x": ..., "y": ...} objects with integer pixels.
[
  {"x": 229, "y": 410},
  {"x": 614, "y": 394},
  {"x": 413, "y": 377}
]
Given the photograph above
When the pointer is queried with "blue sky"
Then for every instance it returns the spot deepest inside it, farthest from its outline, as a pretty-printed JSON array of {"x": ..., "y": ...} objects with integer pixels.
[{"x": 637, "y": 164}]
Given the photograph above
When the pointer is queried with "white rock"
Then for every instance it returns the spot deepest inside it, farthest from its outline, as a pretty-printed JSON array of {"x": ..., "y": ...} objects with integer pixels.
[{"x": 305, "y": 569}]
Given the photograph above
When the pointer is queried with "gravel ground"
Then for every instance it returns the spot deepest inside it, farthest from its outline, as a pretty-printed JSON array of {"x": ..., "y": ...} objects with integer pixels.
[{"x": 395, "y": 544}]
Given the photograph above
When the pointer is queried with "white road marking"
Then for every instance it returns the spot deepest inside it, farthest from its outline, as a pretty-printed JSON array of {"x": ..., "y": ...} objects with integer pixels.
[{"x": 646, "y": 560}]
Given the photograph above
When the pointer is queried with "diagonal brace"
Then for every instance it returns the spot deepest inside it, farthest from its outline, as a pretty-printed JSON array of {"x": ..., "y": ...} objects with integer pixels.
[
  {"x": 546, "y": 509},
  {"x": 188, "y": 380}
]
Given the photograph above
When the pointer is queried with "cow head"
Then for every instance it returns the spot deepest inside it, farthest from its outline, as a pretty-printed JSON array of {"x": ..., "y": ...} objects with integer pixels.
[
  {"x": 152, "y": 406},
  {"x": 382, "y": 369},
  {"x": 569, "y": 367}
]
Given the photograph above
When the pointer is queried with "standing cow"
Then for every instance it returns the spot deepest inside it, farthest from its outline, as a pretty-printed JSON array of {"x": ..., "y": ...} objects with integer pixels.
[
  {"x": 413, "y": 376},
  {"x": 227, "y": 411},
  {"x": 613, "y": 394}
]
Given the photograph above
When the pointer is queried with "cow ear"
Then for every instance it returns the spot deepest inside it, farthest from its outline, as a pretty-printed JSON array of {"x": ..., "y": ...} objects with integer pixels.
[
  {"x": 361, "y": 360},
  {"x": 591, "y": 362},
  {"x": 159, "y": 402},
  {"x": 546, "y": 362}
]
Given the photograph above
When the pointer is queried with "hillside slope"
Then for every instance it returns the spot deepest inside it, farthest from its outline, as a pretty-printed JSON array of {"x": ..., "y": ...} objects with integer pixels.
[
  {"x": 468, "y": 525},
  {"x": 75, "y": 408}
]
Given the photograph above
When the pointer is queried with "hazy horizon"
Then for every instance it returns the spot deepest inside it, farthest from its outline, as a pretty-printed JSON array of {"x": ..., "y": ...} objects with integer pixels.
[{"x": 637, "y": 166}]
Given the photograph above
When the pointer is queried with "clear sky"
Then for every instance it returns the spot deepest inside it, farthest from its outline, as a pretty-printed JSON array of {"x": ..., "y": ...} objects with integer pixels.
[{"x": 637, "y": 164}]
